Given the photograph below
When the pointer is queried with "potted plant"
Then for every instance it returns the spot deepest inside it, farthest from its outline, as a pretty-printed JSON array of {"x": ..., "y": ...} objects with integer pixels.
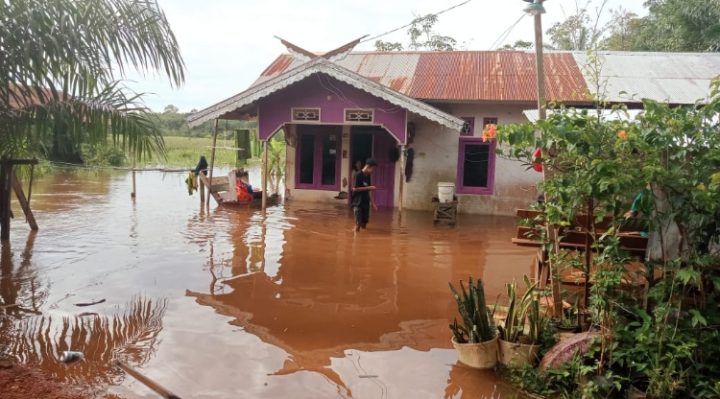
[
  {"x": 521, "y": 330},
  {"x": 476, "y": 339},
  {"x": 569, "y": 323}
]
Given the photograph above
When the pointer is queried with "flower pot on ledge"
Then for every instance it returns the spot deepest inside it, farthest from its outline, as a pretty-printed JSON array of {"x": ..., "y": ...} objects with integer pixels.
[
  {"x": 516, "y": 354},
  {"x": 483, "y": 355}
]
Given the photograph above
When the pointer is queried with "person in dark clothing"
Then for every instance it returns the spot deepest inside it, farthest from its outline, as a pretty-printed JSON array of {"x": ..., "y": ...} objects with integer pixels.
[
  {"x": 361, "y": 198},
  {"x": 202, "y": 166}
]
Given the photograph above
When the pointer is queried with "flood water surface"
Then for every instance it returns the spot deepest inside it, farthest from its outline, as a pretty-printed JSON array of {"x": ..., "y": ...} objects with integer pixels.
[{"x": 231, "y": 303}]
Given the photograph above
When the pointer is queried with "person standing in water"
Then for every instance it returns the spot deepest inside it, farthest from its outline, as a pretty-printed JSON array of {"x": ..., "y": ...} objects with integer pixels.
[
  {"x": 361, "y": 198},
  {"x": 202, "y": 166}
]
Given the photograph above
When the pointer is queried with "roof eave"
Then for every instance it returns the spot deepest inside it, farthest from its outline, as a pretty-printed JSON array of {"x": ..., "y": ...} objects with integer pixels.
[{"x": 321, "y": 65}]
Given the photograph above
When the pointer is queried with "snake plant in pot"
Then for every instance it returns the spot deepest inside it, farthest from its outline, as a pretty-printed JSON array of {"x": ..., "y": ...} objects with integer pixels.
[
  {"x": 521, "y": 330},
  {"x": 475, "y": 339}
]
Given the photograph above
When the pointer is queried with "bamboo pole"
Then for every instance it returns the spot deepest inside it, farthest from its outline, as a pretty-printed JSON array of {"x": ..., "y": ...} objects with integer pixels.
[
  {"x": 159, "y": 389},
  {"x": 212, "y": 159},
  {"x": 264, "y": 174}
]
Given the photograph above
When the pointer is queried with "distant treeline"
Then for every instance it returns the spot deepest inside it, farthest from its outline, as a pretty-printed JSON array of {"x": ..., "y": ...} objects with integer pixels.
[{"x": 172, "y": 122}]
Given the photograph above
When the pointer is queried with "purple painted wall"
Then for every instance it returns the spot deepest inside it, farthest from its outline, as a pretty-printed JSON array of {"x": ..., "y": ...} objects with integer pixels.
[{"x": 332, "y": 97}]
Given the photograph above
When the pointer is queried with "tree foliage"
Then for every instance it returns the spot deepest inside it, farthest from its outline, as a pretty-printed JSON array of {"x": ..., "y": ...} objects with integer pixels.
[
  {"x": 62, "y": 64},
  {"x": 580, "y": 31},
  {"x": 670, "y": 25},
  {"x": 422, "y": 37},
  {"x": 667, "y": 344}
]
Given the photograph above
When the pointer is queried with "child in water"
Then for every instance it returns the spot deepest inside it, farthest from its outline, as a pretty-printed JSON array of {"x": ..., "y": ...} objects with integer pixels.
[{"x": 361, "y": 198}]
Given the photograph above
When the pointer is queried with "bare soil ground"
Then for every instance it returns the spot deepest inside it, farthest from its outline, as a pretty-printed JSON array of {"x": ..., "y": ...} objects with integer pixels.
[{"x": 19, "y": 382}]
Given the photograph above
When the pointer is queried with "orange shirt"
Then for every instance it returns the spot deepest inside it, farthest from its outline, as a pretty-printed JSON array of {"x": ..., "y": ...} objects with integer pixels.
[{"x": 243, "y": 195}]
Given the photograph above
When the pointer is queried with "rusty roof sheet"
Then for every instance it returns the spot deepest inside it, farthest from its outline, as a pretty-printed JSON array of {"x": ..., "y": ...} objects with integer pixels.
[
  {"x": 509, "y": 76},
  {"x": 459, "y": 75}
]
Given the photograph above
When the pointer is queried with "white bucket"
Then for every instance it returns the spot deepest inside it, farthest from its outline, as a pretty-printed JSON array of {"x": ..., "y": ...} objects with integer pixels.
[{"x": 446, "y": 192}]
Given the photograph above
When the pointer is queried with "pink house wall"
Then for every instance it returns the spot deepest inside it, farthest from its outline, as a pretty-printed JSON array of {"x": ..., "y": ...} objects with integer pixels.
[{"x": 332, "y": 97}]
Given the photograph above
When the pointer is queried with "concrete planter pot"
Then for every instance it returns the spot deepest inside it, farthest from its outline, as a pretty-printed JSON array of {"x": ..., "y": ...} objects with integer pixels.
[
  {"x": 483, "y": 355},
  {"x": 516, "y": 354}
]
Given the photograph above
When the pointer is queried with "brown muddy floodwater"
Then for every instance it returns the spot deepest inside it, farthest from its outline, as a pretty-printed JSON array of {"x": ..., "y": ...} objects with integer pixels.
[{"x": 228, "y": 303}]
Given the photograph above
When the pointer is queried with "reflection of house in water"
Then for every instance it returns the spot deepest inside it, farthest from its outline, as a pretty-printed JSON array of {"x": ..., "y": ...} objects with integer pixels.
[{"x": 327, "y": 295}]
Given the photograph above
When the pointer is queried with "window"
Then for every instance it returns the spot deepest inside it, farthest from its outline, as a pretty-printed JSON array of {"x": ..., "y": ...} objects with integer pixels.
[
  {"x": 489, "y": 121},
  {"x": 359, "y": 115},
  {"x": 306, "y": 114},
  {"x": 468, "y": 128},
  {"x": 317, "y": 163},
  {"x": 476, "y": 166}
]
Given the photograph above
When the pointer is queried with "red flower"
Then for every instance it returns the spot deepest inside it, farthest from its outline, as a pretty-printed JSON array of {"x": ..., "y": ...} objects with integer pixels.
[{"x": 489, "y": 132}]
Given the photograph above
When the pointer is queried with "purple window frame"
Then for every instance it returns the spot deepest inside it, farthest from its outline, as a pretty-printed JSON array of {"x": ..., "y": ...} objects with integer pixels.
[
  {"x": 489, "y": 120},
  {"x": 461, "y": 188},
  {"x": 319, "y": 134},
  {"x": 470, "y": 121}
]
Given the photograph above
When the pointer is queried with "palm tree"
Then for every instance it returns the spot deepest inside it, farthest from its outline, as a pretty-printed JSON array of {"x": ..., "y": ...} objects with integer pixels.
[{"x": 63, "y": 63}]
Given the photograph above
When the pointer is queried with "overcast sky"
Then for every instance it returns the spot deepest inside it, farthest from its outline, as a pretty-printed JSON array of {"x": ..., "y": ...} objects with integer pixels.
[{"x": 227, "y": 43}]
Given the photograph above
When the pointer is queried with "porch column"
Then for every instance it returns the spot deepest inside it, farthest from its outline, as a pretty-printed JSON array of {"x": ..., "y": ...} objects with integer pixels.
[
  {"x": 212, "y": 160},
  {"x": 403, "y": 155},
  {"x": 264, "y": 174}
]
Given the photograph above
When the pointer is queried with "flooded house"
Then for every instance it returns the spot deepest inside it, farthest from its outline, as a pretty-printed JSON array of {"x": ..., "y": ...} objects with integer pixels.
[{"x": 421, "y": 115}]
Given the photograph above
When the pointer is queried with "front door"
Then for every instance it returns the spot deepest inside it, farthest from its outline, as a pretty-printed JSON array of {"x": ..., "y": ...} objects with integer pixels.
[{"x": 376, "y": 139}]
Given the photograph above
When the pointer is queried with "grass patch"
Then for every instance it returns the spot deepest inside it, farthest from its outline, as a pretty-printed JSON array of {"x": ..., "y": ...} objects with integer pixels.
[{"x": 184, "y": 152}]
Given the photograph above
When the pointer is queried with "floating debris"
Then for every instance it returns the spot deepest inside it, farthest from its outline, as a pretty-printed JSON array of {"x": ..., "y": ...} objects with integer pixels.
[
  {"x": 71, "y": 356},
  {"x": 90, "y": 303}
]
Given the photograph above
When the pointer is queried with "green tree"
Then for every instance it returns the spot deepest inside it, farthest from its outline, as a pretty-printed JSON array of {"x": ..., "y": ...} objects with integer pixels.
[
  {"x": 623, "y": 30},
  {"x": 62, "y": 65},
  {"x": 381, "y": 45},
  {"x": 680, "y": 25},
  {"x": 422, "y": 37},
  {"x": 580, "y": 31},
  {"x": 518, "y": 45}
]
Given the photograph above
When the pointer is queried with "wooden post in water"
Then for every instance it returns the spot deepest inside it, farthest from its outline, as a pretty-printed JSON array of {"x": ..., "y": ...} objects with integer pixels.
[
  {"x": 5, "y": 169},
  {"x": 24, "y": 201},
  {"x": 401, "y": 188},
  {"x": 264, "y": 174},
  {"x": 212, "y": 159},
  {"x": 134, "y": 191},
  {"x": 201, "y": 188}
]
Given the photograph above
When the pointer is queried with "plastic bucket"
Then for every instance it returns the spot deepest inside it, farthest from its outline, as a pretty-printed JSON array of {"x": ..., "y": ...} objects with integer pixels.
[{"x": 446, "y": 192}]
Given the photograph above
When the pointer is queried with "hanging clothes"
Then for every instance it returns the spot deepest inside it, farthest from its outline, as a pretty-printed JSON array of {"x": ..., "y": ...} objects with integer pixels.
[
  {"x": 409, "y": 158},
  {"x": 191, "y": 182}
]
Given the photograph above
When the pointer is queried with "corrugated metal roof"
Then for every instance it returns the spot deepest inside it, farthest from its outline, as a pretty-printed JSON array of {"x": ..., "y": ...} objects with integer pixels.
[
  {"x": 678, "y": 78},
  {"x": 460, "y": 75},
  {"x": 509, "y": 76}
]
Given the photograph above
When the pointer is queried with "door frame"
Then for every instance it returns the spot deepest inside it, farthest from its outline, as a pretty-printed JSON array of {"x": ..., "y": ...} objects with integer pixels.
[
  {"x": 376, "y": 129},
  {"x": 319, "y": 132}
]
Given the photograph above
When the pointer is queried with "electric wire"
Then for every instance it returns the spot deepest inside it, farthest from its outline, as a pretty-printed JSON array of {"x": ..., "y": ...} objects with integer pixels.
[
  {"x": 504, "y": 35},
  {"x": 413, "y": 21}
]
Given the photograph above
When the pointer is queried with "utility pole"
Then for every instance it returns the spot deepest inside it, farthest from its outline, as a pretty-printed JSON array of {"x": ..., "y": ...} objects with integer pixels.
[
  {"x": 536, "y": 9},
  {"x": 540, "y": 63}
]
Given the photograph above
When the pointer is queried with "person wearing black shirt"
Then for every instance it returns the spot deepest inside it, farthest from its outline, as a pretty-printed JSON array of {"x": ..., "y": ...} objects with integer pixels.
[{"x": 361, "y": 198}]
